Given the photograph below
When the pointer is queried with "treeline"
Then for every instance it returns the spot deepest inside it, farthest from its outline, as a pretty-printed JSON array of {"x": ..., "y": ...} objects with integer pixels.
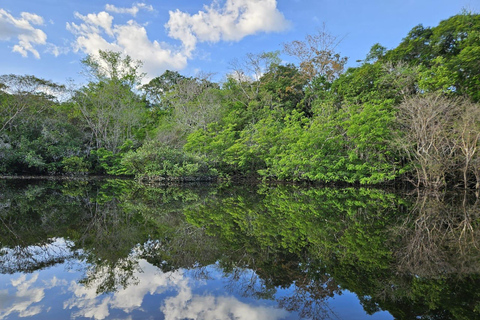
[{"x": 409, "y": 113}]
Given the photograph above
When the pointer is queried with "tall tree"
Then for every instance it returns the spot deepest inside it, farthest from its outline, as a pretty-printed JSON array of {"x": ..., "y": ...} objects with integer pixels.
[
  {"x": 317, "y": 55},
  {"x": 111, "y": 107},
  {"x": 158, "y": 88},
  {"x": 24, "y": 96},
  {"x": 450, "y": 52}
]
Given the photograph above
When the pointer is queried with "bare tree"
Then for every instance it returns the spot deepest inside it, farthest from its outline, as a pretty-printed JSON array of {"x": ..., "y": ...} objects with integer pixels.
[
  {"x": 317, "y": 55},
  {"x": 425, "y": 135},
  {"x": 247, "y": 73},
  {"x": 438, "y": 237},
  {"x": 467, "y": 133}
]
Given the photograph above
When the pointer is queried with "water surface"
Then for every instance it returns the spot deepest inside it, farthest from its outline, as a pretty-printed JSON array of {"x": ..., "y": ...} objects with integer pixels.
[{"x": 115, "y": 249}]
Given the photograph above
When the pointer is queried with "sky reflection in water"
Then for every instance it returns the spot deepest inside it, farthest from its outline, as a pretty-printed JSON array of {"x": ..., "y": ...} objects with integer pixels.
[
  {"x": 118, "y": 250},
  {"x": 202, "y": 293}
]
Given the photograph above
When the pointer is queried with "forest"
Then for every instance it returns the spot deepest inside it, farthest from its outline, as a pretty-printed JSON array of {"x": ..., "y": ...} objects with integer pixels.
[{"x": 407, "y": 114}]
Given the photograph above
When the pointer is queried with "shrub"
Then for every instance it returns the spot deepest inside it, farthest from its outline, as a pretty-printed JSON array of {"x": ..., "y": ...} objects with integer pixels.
[{"x": 154, "y": 161}]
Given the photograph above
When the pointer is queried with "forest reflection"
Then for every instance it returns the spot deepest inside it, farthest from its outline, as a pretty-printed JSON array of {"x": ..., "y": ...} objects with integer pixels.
[{"x": 414, "y": 255}]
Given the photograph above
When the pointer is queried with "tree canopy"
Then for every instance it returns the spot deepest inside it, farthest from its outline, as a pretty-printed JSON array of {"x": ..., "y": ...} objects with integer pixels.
[{"x": 403, "y": 114}]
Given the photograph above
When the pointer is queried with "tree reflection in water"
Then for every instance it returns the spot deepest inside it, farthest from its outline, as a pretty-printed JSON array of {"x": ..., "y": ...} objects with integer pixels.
[
  {"x": 415, "y": 256},
  {"x": 440, "y": 236}
]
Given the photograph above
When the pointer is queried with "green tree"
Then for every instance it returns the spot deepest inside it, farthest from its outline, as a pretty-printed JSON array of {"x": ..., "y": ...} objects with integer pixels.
[
  {"x": 37, "y": 131},
  {"x": 158, "y": 88},
  {"x": 452, "y": 48},
  {"x": 23, "y": 98},
  {"x": 112, "y": 109}
]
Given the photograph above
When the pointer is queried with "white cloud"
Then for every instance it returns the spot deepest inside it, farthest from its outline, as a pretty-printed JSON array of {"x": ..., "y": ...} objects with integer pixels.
[
  {"x": 133, "y": 10},
  {"x": 232, "y": 22},
  {"x": 98, "y": 32},
  {"x": 55, "y": 282},
  {"x": 92, "y": 23},
  {"x": 23, "y": 30},
  {"x": 22, "y": 301},
  {"x": 186, "y": 305},
  {"x": 56, "y": 50},
  {"x": 183, "y": 305},
  {"x": 31, "y": 17},
  {"x": 24, "y": 295},
  {"x": 148, "y": 280}
]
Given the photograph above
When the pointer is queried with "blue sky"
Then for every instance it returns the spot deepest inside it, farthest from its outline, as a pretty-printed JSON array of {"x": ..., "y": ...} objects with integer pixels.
[{"x": 48, "y": 38}]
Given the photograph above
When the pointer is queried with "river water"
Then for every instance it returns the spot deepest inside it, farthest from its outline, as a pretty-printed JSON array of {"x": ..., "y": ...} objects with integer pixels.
[{"x": 115, "y": 249}]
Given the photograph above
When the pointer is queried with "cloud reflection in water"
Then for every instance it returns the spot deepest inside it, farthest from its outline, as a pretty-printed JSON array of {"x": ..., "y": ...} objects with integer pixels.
[{"x": 179, "y": 295}]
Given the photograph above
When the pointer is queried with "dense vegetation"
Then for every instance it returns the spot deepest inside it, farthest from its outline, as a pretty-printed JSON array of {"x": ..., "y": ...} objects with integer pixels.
[{"x": 409, "y": 113}]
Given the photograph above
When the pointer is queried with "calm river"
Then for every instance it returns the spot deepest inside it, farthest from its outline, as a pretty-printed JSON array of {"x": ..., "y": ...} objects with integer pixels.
[{"x": 115, "y": 249}]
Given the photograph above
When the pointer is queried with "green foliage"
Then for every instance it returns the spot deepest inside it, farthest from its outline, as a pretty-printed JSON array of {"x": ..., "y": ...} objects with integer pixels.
[
  {"x": 110, "y": 65},
  {"x": 285, "y": 83},
  {"x": 217, "y": 144},
  {"x": 377, "y": 51},
  {"x": 436, "y": 78},
  {"x": 155, "y": 162},
  {"x": 159, "y": 88},
  {"x": 108, "y": 161},
  {"x": 368, "y": 128},
  {"x": 306, "y": 121},
  {"x": 448, "y": 51},
  {"x": 345, "y": 145},
  {"x": 111, "y": 112},
  {"x": 111, "y": 162},
  {"x": 39, "y": 140},
  {"x": 110, "y": 107}
]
